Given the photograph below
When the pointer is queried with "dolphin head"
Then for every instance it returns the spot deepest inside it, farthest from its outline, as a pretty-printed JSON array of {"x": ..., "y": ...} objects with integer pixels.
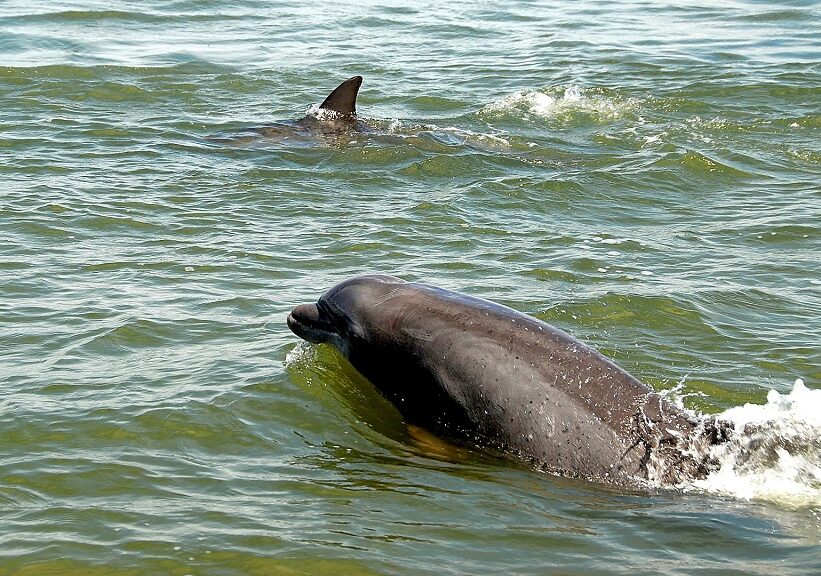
[{"x": 341, "y": 315}]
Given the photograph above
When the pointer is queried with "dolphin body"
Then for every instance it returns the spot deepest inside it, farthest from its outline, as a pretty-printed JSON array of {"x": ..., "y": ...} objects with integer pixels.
[
  {"x": 336, "y": 115},
  {"x": 335, "y": 122},
  {"x": 477, "y": 371}
]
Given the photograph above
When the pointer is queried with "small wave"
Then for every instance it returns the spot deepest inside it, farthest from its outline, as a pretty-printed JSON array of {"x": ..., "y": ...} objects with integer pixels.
[
  {"x": 91, "y": 16},
  {"x": 774, "y": 452},
  {"x": 469, "y": 136},
  {"x": 450, "y": 134},
  {"x": 557, "y": 102},
  {"x": 698, "y": 163}
]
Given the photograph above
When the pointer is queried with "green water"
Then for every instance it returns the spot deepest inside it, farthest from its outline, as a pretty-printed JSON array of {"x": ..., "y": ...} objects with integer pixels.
[{"x": 644, "y": 175}]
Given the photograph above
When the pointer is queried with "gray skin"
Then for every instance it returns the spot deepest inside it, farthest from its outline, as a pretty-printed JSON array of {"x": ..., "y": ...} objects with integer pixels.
[
  {"x": 475, "y": 370},
  {"x": 337, "y": 115}
]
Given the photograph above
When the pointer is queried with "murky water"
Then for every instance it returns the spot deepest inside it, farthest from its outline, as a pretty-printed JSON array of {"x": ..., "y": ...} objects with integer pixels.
[{"x": 644, "y": 175}]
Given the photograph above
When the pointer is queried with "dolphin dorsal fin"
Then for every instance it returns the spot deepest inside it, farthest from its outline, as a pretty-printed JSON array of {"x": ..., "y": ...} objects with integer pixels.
[{"x": 343, "y": 98}]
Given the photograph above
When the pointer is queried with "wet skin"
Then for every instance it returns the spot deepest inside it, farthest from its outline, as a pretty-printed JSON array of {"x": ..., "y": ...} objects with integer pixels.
[{"x": 478, "y": 371}]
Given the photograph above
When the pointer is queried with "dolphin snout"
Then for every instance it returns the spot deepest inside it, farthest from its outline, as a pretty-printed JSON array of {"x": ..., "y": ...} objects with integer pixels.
[
  {"x": 307, "y": 313},
  {"x": 304, "y": 321}
]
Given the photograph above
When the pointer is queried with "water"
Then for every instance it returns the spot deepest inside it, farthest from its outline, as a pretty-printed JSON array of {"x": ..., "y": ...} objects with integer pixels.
[{"x": 644, "y": 175}]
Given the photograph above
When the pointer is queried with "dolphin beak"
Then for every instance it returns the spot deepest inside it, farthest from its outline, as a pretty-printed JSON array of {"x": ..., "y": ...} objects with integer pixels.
[{"x": 305, "y": 322}]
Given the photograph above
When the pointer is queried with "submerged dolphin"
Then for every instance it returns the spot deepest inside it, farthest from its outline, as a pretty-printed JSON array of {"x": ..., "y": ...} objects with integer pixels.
[
  {"x": 336, "y": 114},
  {"x": 479, "y": 371}
]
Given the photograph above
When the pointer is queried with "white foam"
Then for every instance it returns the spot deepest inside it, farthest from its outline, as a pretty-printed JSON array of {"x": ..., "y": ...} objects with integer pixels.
[
  {"x": 677, "y": 395},
  {"x": 572, "y": 94},
  {"x": 301, "y": 353},
  {"x": 572, "y": 99},
  {"x": 607, "y": 240},
  {"x": 653, "y": 139},
  {"x": 774, "y": 452},
  {"x": 398, "y": 128},
  {"x": 535, "y": 102},
  {"x": 324, "y": 114},
  {"x": 469, "y": 135}
]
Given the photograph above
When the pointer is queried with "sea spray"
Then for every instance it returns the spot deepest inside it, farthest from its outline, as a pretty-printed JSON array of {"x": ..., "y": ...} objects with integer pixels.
[{"x": 773, "y": 452}]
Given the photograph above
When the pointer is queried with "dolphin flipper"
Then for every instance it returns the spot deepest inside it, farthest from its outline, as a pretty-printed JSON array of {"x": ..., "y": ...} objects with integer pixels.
[{"x": 343, "y": 98}]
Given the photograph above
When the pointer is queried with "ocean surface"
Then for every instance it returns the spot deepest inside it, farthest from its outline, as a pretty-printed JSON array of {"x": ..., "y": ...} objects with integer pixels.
[{"x": 645, "y": 175}]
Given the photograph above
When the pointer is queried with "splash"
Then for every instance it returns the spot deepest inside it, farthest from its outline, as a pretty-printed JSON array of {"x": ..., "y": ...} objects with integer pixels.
[
  {"x": 302, "y": 353},
  {"x": 774, "y": 451},
  {"x": 536, "y": 103},
  {"x": 570, "y": 100},
  {"x": 325, "y": 114}
]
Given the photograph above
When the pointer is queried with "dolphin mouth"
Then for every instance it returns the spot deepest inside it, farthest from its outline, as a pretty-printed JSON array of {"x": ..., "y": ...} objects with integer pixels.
[{"x": 306, "y": 322}]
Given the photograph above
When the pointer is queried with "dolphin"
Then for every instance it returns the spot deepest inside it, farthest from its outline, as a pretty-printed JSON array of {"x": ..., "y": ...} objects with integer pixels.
[
  {"x": 335, "y": 122},
  {"x": 336, "y": 115},
  {"x": 476, "y": 371}
]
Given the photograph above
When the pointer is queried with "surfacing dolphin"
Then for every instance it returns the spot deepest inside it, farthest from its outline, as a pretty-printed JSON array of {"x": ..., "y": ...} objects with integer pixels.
[
  {"x": 335, "y": 122},
  {"x": 475, "y": 370},
  {"x": 336, "y": 114}
]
